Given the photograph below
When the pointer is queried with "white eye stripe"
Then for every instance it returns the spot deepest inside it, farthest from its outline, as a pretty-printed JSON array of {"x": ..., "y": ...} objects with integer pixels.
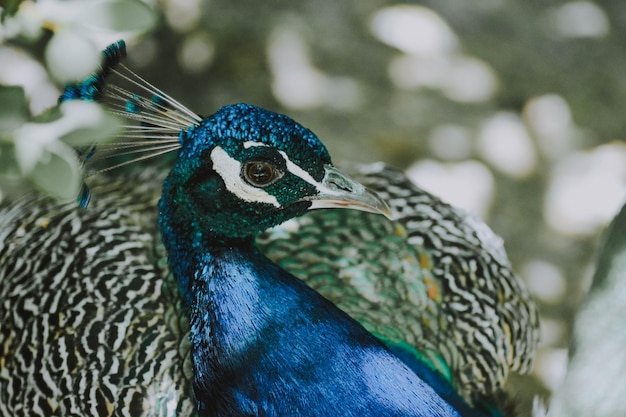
[
  {"x": 229, "y": 169},
  {"x": 251, "y": 143},
  {"x": 305, "y": 176},
  {"x": 297, "y": 171}
]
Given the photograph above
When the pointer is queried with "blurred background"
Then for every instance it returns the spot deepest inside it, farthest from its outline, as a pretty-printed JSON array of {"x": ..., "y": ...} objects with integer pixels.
[{"x": 511, "y": 110}]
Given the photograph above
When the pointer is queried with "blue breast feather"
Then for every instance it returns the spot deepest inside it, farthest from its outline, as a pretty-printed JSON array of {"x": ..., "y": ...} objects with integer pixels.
[{"x": 267, "y": 344}]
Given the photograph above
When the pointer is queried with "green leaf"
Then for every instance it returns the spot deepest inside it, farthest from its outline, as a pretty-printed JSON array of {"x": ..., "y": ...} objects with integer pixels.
[
  {"x": 8, "y": 163},
  {"x": 612, "y": 259},
  {"x": 9, "y": 8},
  {"x": 13, "y": 108}
]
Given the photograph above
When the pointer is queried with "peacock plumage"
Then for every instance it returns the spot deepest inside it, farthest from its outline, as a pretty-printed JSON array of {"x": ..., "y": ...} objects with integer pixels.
[{"x": 123, "y": 309}]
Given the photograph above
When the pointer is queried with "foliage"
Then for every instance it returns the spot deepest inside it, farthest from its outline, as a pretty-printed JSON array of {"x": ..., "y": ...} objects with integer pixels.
[{"x": 39, "y": 148}]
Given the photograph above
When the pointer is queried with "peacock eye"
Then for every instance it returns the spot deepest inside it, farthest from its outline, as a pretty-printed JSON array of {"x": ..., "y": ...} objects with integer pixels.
[{"x": 260, "y": 173}]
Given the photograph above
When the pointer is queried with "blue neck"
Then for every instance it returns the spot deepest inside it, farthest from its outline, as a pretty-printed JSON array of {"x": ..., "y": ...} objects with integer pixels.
[{"x": 264, "y": 343}]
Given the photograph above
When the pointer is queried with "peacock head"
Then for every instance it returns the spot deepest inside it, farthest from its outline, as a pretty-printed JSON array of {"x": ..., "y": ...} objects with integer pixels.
[{"x": 245, "y": 169}]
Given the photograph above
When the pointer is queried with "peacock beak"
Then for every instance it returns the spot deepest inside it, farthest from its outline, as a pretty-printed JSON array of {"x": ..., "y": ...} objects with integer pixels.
[{"x": 338, "y": 190}]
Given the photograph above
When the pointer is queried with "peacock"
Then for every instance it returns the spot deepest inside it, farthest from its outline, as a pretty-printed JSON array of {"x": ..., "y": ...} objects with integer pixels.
[{"x": 218, "y": 289}]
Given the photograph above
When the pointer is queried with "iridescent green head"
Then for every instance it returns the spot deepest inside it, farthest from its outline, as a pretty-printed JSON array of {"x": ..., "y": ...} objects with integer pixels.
[{"x": 245, "y": 169}]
